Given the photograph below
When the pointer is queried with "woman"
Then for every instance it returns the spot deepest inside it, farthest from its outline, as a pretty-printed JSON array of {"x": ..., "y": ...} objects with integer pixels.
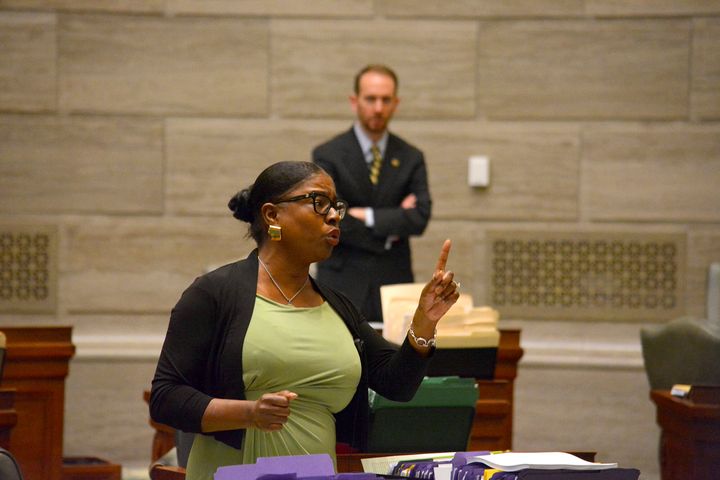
[{"x": 262, "y": 359}]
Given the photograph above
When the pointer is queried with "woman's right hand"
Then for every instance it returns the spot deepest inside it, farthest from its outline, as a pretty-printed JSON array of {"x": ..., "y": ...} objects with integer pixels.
[{"x": 271, "y": 411}]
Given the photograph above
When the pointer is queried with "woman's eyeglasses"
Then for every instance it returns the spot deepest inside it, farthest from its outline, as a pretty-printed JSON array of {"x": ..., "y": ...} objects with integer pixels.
[{"x": 321, "y": 203}]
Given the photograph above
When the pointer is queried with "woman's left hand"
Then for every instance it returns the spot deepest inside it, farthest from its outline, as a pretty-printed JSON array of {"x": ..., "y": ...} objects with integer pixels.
[{"x": 438, "y": 295}]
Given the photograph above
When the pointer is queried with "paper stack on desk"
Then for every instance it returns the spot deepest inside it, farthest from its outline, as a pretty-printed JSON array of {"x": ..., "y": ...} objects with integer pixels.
[
  {"x": 514, "y": 461},
  {"x": 475, "y": 328},
  {"x": 464, "y": 325}
]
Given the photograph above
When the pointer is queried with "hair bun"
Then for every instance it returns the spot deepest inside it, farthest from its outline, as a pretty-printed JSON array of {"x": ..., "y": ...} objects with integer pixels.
[{"x": 239, "y": 204}]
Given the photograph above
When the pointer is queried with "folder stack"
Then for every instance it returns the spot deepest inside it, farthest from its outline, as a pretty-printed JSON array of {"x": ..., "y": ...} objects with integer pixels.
[
  {"x": 476, "y": 327},
  {"x": 296, "y": 467},
  {"x": 500, "y": 466},
  {"x": 464, "y": 325}
]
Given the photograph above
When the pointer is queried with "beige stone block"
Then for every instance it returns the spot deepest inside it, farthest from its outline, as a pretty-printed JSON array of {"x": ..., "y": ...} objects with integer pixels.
[
  {"x": 80, "y": 164},
  {"x": 466, "y": 258},
  {"x": 209, "y": 160},
  {"x": 142, "y": 265},
  {"x": 118, "y": 329},
  {"x": 651, "y": 173},
  {"x": 135, "y": 6},
  {"x": 533, "y": 169},
  {"x": 314, "y": 64},
  {"x": 161, "y": 65},
  {"x": 705, "y": 94},
  {"x": 481, "y": 8},
  {"x": 652, "y": 8},
  {"x": 105, "y": 414},
  {"x": 584, "y": 69},
  {"x": 285, "y": 8},
  {"x": 623, "y": 428},
  {"x": 27, "y": 61},
  {"x": 31, "y": 320},
  {"x": 703, "y": 249}
]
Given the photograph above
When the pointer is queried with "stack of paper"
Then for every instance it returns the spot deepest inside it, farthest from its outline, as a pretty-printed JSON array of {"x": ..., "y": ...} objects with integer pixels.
[
  {"x": 475, "y": 328},
  {"x": 464, "y": 325},
  {"x": 514, "y": 461}
]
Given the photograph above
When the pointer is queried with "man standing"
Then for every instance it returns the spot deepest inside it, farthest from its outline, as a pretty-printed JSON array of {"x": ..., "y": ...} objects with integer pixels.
[{"x": 384, "y": 180}]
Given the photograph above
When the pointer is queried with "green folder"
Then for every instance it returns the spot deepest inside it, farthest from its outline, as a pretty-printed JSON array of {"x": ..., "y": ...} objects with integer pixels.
[{"x": 438, "y": 418}]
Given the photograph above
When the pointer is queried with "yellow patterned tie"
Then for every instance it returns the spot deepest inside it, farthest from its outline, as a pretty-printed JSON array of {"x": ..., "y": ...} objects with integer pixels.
[{"x": 376, "y": 164}]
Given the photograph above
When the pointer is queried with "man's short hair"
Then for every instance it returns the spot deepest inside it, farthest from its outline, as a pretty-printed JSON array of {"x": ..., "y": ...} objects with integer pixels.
[{"x": 377, "y": 68}]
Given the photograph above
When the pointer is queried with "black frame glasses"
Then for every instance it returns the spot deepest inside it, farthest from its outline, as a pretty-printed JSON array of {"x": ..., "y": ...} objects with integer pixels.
[{"x": 340, "y": 206}]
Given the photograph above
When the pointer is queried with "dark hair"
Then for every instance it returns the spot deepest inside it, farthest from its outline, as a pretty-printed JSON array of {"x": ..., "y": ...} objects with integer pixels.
[
  {"x": 272, "y": 183},
  {"x": 377, "y": 68}
]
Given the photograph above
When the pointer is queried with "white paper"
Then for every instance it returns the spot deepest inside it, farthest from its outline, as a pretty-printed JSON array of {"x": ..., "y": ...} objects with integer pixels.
[
  {"x": 514, "y": 461},
  {"x": 443, "y": 472}
]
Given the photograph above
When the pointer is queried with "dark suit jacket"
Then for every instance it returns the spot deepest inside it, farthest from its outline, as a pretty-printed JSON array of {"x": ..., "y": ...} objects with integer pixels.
[{"x": 360, "y": 264}]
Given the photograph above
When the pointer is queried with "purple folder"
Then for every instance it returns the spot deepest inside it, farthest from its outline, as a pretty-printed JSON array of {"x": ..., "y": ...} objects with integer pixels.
[{"x": 301, "y": 465}]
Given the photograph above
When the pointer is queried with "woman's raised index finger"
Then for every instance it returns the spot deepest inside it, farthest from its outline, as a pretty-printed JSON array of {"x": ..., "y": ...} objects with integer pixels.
[{"x": 444, "y": 253}]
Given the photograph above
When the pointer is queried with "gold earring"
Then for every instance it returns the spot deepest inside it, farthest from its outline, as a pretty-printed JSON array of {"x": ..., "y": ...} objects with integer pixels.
[{"x": 275, "y": 232}]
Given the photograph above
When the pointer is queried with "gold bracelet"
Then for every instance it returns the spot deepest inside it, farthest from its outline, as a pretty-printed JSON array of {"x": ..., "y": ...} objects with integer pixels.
[{"x": 421, "y": 341}]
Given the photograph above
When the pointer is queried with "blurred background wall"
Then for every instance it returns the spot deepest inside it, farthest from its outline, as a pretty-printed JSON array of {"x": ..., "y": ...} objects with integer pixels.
[{"x": 125, "y": 126}]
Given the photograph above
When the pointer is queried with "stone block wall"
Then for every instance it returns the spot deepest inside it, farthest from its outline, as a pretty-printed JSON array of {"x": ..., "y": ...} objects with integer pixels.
[{"x": 127, "y": 125}]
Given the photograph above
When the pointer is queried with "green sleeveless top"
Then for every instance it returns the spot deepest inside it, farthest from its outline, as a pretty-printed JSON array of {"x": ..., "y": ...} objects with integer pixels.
[{"x": 308, "y": 351}]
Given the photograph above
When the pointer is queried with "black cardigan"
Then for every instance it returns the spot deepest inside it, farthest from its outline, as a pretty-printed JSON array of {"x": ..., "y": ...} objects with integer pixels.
[{"x": 201, "y": 357}]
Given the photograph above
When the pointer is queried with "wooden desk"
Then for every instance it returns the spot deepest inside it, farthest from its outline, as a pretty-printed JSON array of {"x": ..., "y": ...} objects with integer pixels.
[
  {"x": 493, "y": 423},
  {"x": 8, "y": 416},
  {"x": 36, "y": 366},
  {"x": 690, "y": 437}
]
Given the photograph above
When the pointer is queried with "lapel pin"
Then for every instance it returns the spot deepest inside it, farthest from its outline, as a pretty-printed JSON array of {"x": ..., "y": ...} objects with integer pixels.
[{"x": 395, "y": 162}]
